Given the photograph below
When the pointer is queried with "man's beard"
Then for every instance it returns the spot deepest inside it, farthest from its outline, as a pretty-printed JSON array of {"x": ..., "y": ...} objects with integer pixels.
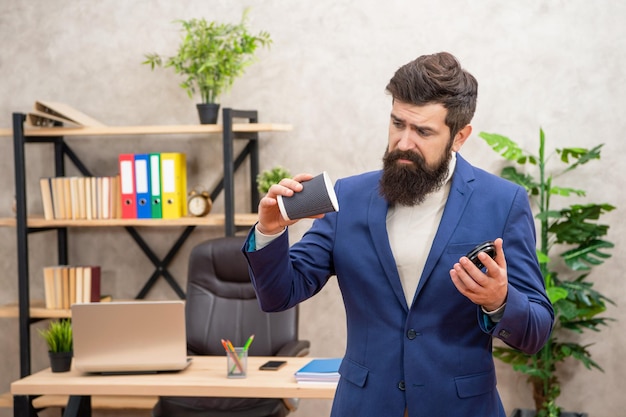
[{"x": 409, "y": 184}]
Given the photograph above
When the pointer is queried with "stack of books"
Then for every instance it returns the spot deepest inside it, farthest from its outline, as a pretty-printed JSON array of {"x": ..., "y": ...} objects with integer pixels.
[
  {"x": 319, "y": 371},
  {"x": 80, "y": 198},
  {"x": 65, "y": 285}
]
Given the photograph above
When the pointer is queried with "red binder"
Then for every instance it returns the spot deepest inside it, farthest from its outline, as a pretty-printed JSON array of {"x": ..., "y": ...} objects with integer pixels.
[{"x": 127, "y": 185}]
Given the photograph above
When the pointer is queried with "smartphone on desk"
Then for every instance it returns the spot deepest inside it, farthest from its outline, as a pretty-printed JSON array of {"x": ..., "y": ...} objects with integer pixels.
[{"x": 272, "y": 365}]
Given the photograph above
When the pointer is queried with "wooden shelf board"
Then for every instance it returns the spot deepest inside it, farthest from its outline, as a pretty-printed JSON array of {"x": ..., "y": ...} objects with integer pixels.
[
  {"x": 37, "y": 311},
  {"x": 101, "y": 402},
  {"x": 241, "y": 219},
  {"x": 6, "y": 400},
  {"x": 147, "y": 130}
]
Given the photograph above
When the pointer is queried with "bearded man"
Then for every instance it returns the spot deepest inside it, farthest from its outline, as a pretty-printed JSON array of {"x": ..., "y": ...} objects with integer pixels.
[{"x": 421, "y": 317}]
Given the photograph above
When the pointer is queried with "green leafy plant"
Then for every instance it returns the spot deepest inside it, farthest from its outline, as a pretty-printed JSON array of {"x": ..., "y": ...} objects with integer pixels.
[
  {"x": 270, "y": 177},
  {"x": 58, "y": 336},
  {"x": 211, "y": 55},
  {"x": 576, "y": 233}
]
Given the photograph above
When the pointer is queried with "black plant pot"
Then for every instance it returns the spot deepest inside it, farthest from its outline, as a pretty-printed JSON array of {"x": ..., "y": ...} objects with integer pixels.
[
  {"x": 531, "y": 413},
  {"x": 60, "y": 361},
  {"x": 208, "y": 113}
]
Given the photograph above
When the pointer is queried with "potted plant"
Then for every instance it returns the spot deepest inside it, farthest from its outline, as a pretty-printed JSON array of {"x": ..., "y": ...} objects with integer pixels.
[
  {"x": 270, "y": 177},
  {"x": 575, "y": 232},
  {"x": 210, "y": 56},
  {"x": 58, "y": 336}
]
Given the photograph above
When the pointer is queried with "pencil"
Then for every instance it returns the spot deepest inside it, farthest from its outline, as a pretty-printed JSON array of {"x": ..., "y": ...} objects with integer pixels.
[{"x": 246, "y": 346}]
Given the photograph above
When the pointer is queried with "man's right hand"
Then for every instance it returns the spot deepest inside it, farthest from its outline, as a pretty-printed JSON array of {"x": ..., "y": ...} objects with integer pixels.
[{"x": 271, "y": 221}]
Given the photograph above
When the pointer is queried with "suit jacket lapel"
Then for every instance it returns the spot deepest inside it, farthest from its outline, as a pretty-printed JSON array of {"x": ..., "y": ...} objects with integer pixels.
[
  {"x": 376, "y": 218},
  {"x": 460, "y": 192}
]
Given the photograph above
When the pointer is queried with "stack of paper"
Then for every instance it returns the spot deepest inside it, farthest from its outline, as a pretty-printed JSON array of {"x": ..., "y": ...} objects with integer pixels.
[{"x": 319, "y": 370}]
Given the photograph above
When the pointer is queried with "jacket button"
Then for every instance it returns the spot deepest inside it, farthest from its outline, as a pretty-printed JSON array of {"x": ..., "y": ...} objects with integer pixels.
[
  {"x": 412, "y": 334},
  {"x": 401, "y": 385}
]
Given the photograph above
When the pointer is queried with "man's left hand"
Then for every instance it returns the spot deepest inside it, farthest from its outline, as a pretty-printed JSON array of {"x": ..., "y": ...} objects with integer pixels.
[{"x": 487, "y": 289}]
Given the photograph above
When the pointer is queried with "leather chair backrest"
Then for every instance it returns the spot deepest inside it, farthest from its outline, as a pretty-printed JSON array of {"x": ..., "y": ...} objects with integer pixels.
[{"x": 221, "y": 303}]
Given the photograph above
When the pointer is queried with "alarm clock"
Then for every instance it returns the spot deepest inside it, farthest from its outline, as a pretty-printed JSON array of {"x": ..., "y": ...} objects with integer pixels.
[{"x": 199, "y": 202}]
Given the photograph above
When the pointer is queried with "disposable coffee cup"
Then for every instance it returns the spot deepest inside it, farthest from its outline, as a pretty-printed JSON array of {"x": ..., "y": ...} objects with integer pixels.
[{"x": 317, "y": 197}]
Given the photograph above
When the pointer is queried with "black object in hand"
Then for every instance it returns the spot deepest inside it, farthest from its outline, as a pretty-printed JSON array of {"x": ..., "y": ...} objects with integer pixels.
[{"x": 487, "y": 247}]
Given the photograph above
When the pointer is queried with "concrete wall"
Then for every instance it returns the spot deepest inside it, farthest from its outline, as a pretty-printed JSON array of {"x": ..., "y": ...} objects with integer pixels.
[{"x": 550, "y": 64}]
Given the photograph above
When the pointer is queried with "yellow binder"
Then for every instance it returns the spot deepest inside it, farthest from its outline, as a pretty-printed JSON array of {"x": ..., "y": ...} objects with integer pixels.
[{"x": 173, "y": 185}]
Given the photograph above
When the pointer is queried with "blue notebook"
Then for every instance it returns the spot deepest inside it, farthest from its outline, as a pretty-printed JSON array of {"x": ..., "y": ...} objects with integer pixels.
[{"x": 319, "y": 370}]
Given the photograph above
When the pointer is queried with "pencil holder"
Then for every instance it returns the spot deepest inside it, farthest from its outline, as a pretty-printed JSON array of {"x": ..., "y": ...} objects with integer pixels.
[{"x": 237, "y": 363}]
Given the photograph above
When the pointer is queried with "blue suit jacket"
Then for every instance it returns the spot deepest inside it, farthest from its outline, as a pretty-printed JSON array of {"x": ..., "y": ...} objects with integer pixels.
[{"x": 434, "y": 358}]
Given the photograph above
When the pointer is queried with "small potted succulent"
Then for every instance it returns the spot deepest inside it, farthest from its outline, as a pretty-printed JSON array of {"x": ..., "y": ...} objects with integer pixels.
[
  {"x": 210, "y": 56},
  {"x": 58, "y": 336}
]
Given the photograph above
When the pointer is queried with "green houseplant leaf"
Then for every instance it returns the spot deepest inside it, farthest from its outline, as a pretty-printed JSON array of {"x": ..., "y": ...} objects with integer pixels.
[{"x": 574, "y": 232}]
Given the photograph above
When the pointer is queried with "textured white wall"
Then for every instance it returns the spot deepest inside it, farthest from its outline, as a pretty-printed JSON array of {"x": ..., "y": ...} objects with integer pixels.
[{"x": 551, "y": 64}]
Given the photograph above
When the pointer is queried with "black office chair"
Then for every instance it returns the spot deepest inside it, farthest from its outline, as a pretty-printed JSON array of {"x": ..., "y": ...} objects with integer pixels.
[{"x": 221, "y": 304}]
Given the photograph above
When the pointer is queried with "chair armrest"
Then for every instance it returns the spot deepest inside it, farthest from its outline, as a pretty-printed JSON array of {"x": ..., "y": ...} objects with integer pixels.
[{"x": 295, "y": 348}]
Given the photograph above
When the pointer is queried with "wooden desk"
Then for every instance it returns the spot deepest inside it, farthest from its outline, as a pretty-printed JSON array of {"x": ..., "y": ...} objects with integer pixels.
[{"x": 205, "y": 377}]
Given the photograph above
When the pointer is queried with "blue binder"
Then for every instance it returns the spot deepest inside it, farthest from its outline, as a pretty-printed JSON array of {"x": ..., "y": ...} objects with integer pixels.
[{"x": 142, "y": 186}]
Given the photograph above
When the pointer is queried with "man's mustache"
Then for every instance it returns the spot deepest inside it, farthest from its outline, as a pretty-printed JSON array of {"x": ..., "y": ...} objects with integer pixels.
[{"x": 414, "y": 157}]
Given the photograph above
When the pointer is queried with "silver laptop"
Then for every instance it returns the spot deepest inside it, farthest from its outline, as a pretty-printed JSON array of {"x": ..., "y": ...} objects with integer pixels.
[{"x": 129, "y": 337}]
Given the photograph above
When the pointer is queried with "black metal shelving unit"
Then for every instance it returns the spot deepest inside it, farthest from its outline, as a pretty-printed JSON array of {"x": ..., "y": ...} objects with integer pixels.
[{"x": 231, "y": 163}]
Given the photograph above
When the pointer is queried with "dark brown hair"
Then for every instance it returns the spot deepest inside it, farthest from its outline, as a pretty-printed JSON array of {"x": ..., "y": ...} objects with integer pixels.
[{"x": 437, "y": 78}]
